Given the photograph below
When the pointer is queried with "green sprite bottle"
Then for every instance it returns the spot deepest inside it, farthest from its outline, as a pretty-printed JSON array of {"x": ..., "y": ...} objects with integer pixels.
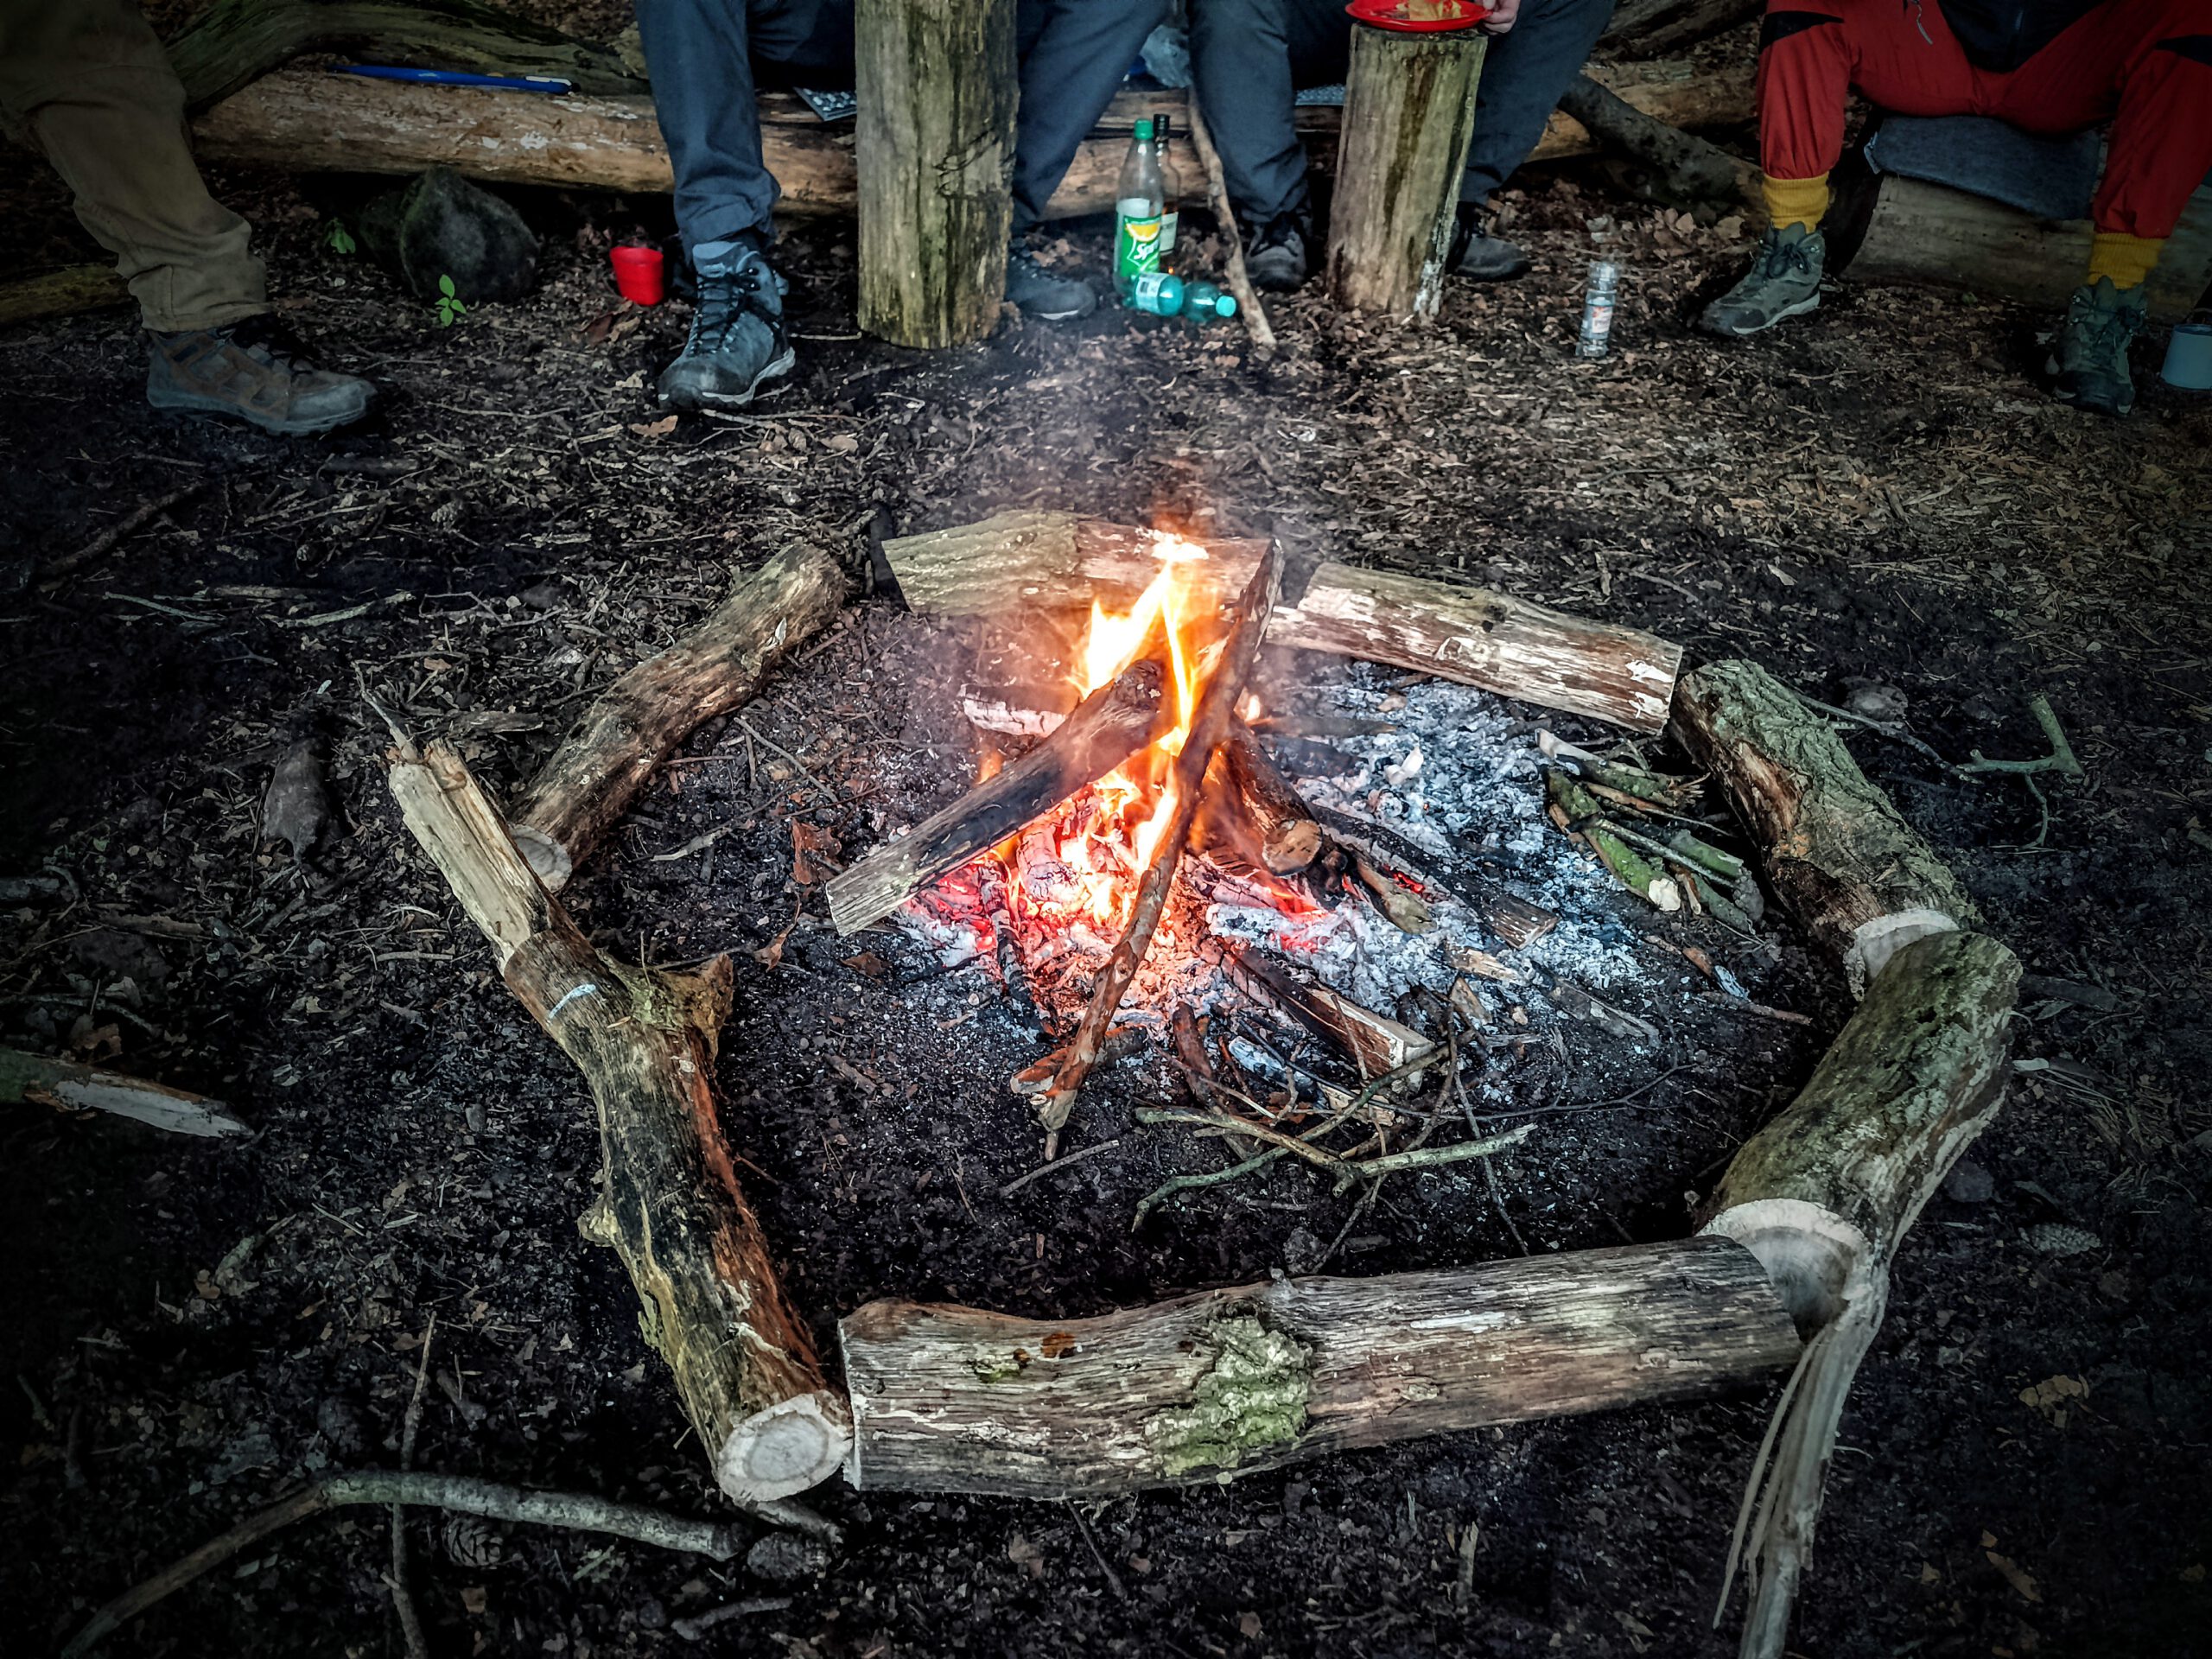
[{"x": 1138, "y": 205}]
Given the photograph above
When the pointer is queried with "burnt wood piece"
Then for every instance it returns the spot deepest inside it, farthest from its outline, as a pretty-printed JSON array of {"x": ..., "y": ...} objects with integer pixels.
[
  {"x": 1019, "y": 561},
  {"x": 636, "y": 723},
  {"x": 32, "y": 1080},
  {"x": 1289, "y": 836},
  {"x": 1377, "y": 1043},
  {"x": 1230, "y": 1382},
  {"x": 1410, "y": 110},
  {"x": 1209, "y": 724},
  {"x": 1824, "y": 1195},
  {"x": 742, "y": 1359},
  {"x": 306, "y": 121},
  {"x": 1107, "y": 728},
  {"x": 1854, "y": 872},
  {"x": 1513, "y": 919}
]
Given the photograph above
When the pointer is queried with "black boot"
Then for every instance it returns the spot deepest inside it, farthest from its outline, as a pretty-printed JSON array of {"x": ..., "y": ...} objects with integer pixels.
[
  {"x": 1277, "y": 258},
  {"x": 1479, "y": 256},
  {"x": 253, "y": 371}
]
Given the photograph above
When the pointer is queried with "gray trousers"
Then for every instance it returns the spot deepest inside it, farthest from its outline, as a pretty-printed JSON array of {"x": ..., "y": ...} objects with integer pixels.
[
  {"x": 707, "y": 57},
  {"x": 1249, "y": 56}
]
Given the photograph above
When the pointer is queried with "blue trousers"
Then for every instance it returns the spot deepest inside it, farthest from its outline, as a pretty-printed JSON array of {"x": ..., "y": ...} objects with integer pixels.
[
  {"x": 707, "y": 58},
  {"x": 1249, "y": 56}
]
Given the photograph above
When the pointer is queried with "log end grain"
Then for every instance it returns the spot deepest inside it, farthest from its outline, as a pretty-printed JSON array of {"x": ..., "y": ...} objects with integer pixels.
[{"x": 792, "y": 1446}]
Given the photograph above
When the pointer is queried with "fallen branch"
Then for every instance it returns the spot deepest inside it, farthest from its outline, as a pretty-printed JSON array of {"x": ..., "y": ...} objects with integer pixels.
[
  {"x": 61, "y": 293},
  {"x": 635, "y": 725},
  {"x": 2060, "y": 759},
  {"x": 494, "y": 1500},
  {"x": 1209, "y": 723},
  {"x": 1240, "y": 281},
  {"x": 1682, "y": 170},
  {"x": 1225, "y": 1383},
  {"x": 65, "y": 1084},
  {"x": 129, "y": 525}
]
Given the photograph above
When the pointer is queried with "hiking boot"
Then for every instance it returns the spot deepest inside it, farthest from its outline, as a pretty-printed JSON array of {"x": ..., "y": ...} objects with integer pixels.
[
  {"x": 2090, "y": 362},
  {"x": 1276, "y": 260},
  {"x": 737, "y": 338},
  {"x": 1784, "y": 282},
  {"x": 1479, "y": 256},
  {"x": 1040, "y": 293},
  {"x": 251, "y": 370}
]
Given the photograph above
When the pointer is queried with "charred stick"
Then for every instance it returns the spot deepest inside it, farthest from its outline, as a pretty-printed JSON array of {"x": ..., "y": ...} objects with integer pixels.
[
  {"x": 1376, "y": 1042},
  {"x": 1289, "y": 834},
  {"x": 1109, "y": 726},
  {"x": 1209, "y": 724}
]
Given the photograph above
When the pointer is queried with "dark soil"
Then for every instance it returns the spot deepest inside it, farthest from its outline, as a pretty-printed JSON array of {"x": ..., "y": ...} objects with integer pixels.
[{"x": 1880, "y": 495}]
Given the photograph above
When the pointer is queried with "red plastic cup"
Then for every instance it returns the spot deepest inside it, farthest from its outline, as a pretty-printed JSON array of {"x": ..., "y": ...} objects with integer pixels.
[{"x": 638, "y": 273}]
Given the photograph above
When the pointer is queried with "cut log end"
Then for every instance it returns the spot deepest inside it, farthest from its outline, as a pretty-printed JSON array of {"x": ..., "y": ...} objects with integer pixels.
[
  {"x": 792, "y": 1446},
  {"x": 547, "y": 858}
]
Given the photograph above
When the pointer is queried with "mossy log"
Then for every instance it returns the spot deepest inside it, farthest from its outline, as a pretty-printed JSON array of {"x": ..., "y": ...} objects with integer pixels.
[
  {"x": 1227, "y": 1383},
  {"x": 1026, "y": 560},
  {"x": 1409, "y": 109},
  {"x": 635, "y": 724},
  {"x": 934, "y": 139},
  {"x": 743, "y": 1361},
  {"x": 235, "y": 43},
  {"x": 1824, "y": 1195},
  {"x": 1859, "y": 880},
  {"x": 62, "y": 293}
]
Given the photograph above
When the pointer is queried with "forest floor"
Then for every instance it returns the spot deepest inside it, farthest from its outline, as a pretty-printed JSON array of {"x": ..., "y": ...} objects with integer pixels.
[{"x": 1879, "y": 495}]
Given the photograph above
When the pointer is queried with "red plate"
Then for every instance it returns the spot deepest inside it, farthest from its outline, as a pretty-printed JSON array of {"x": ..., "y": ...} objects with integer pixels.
[{"x": 1391, "y": 14}]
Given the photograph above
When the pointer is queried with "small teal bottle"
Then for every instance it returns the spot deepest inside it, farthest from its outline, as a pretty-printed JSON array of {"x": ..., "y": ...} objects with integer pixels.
[
  {"x": 1160, "y": 292},
  {"x": 1205, "y": 302}
]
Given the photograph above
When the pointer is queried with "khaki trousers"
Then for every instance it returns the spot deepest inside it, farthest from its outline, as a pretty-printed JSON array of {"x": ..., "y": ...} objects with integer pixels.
[{"x": 89, "y": 82}]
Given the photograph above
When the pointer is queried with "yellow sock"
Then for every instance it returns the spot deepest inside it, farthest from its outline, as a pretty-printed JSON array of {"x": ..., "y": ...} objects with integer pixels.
[
  {"x": 1795, "y": 201},
  {"x": 2127, "y": 259}
]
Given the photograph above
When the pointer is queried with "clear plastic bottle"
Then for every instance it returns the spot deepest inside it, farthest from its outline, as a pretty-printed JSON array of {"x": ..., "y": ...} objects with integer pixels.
[
  {"x": 1160, "y": 292},
  {"x": 1598, "y": 308},
  {"x": 1138, "y": 207},
  {"x": 1205, "y": 302},
  {"x": 1171, "y": 186}
]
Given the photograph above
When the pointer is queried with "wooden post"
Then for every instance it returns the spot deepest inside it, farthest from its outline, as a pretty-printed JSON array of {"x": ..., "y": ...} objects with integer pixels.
[
  {"x": 934, "y": 141},
  {"x": 1409, "y": 109}
]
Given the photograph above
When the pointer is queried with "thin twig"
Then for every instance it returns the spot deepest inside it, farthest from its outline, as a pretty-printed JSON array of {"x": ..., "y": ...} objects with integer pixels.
[
  {"x": 774, "y": 748},
  {"x": 1389, "y": 1163},
  {"x": 1240, "y": 280},
  {"x": 494, "y": 1500},
  {"x": 403, "y": 1600},
  {"x": 1113, "y": 1578},
  {"x": 1056, "y": 1166},
  {"x": 1320, "y": 1158},
  {"x": 131, "y": 522},
  {"x": 2060, "y": 759},
  {"x": 698, "y": 1624},
  {"x": 1894, "y": 730}
]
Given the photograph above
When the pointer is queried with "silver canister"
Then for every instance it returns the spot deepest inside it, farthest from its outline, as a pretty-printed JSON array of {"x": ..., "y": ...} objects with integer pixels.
[{"x": 1598, "y": 308}]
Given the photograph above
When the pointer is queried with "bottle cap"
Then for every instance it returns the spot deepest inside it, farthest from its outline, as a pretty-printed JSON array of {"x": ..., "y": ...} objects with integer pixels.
[
  {"x": 1224, "y": 305},
  {"x": 1144, "y": 129}
]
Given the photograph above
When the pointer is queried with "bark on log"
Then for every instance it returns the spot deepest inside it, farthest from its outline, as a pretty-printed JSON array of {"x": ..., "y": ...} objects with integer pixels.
[
  {"x": 1852, "y": 872},
  {"x": 1897, "y": 230},
  {"x": 635, "y": 725},
  {"x": 1018, "y": 560},
  {"x": 1646, "y": 27},
  {"x": 1289, "y": 836},
  {"x": 1679, "y": 167},
  {"x": 1409, "y": 109},
  {"x": 61, "y": 293},
  {"x": 1823, "y": 1197},
  {"x": 305, "y": 121},
  {"x": 33, "y": 1080},
  {"x": 235, "y": 43},
  {"x": 1229, "y": 1381},
  {"x": 1107, "y": 728},
  {"x": 935, "y": 86},
  {"x": 742, "y": 1359}
]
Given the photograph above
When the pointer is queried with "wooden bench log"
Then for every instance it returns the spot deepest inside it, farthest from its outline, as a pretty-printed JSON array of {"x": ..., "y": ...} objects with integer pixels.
[
  {"x": 742, "y": 1359},
  {"x": 1227, "y": 1383},
  {"x": 1468, "y": 634}
]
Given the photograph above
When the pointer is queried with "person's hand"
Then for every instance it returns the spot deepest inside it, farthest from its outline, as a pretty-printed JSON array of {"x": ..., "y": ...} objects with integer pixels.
[{"x": 1502, "y": 16}]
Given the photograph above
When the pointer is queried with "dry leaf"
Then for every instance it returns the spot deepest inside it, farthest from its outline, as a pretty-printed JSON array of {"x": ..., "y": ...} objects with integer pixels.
[
  {"x": 842, "y": 443},
  {"x": 660, "y": 429},
  {"x": 2019, "y": 1581},
  {"x": 2050, "y": 1397},
  {"x": 814, "y": 851},
  {"x": 295, "y": 808}
]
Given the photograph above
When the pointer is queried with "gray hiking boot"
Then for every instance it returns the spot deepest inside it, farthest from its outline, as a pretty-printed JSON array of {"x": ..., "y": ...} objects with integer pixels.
[
  {"x": 1040, "y": 293},
  {"x": 251, "y": 370},
  {"x": 1482, "y": 258},
  {"x": 1784, "y": 282},
  {"x": 1277, "y": 258},
  {"x": 2090, "y": 364},
  {"x": 737, "y": 338}
]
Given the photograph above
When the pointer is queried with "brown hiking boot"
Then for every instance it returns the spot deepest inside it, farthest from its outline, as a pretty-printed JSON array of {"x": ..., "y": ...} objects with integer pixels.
[{"x": 251, "y": 370}]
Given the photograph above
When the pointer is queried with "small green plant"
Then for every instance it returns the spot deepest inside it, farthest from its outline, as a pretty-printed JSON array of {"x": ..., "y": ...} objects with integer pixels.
[
  {"x": 450, "y": 306},
  {"x": 339, "y": 240}
]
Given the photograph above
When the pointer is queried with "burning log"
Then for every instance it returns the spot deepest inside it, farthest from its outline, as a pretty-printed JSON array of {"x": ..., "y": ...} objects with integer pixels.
[
  {"x": 743, "y": 1361},
  {"x": 1231, "y": 1382},
  {"x": 1859, "y": 878},
  {"x": 1209, "y": 723},
  {"x": 1823, "y": 1197},
  {"x": 1109, "y": 726},
  {"x": 1467, "y": 634},
  {"x": 634, "y": 725},
  {"x": 1289, "y": 836}
]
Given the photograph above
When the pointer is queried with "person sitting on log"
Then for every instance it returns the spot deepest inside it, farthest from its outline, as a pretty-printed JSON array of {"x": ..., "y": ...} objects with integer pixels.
[
  {"x": 2047, "y": 66},
  {"x": 89, "y": 84},
  {"x": 1249, "y": 57},
  {"x": 703, "y": 56}
]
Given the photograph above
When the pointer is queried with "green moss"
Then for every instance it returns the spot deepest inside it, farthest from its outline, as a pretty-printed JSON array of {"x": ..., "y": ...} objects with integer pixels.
[{"x": 1253, "y": 1394}]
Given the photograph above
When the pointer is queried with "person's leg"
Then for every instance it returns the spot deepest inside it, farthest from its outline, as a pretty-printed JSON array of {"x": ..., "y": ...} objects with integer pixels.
[
  {"x": 699, "y": 53},
  {"x": 2147, "y": 66},
  {"x": 1247, "y": 58},
  {"x": 89, "y": 83},
  {"x": 1074, "y": 56},
  {"x": 1524, "y": 72}
]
